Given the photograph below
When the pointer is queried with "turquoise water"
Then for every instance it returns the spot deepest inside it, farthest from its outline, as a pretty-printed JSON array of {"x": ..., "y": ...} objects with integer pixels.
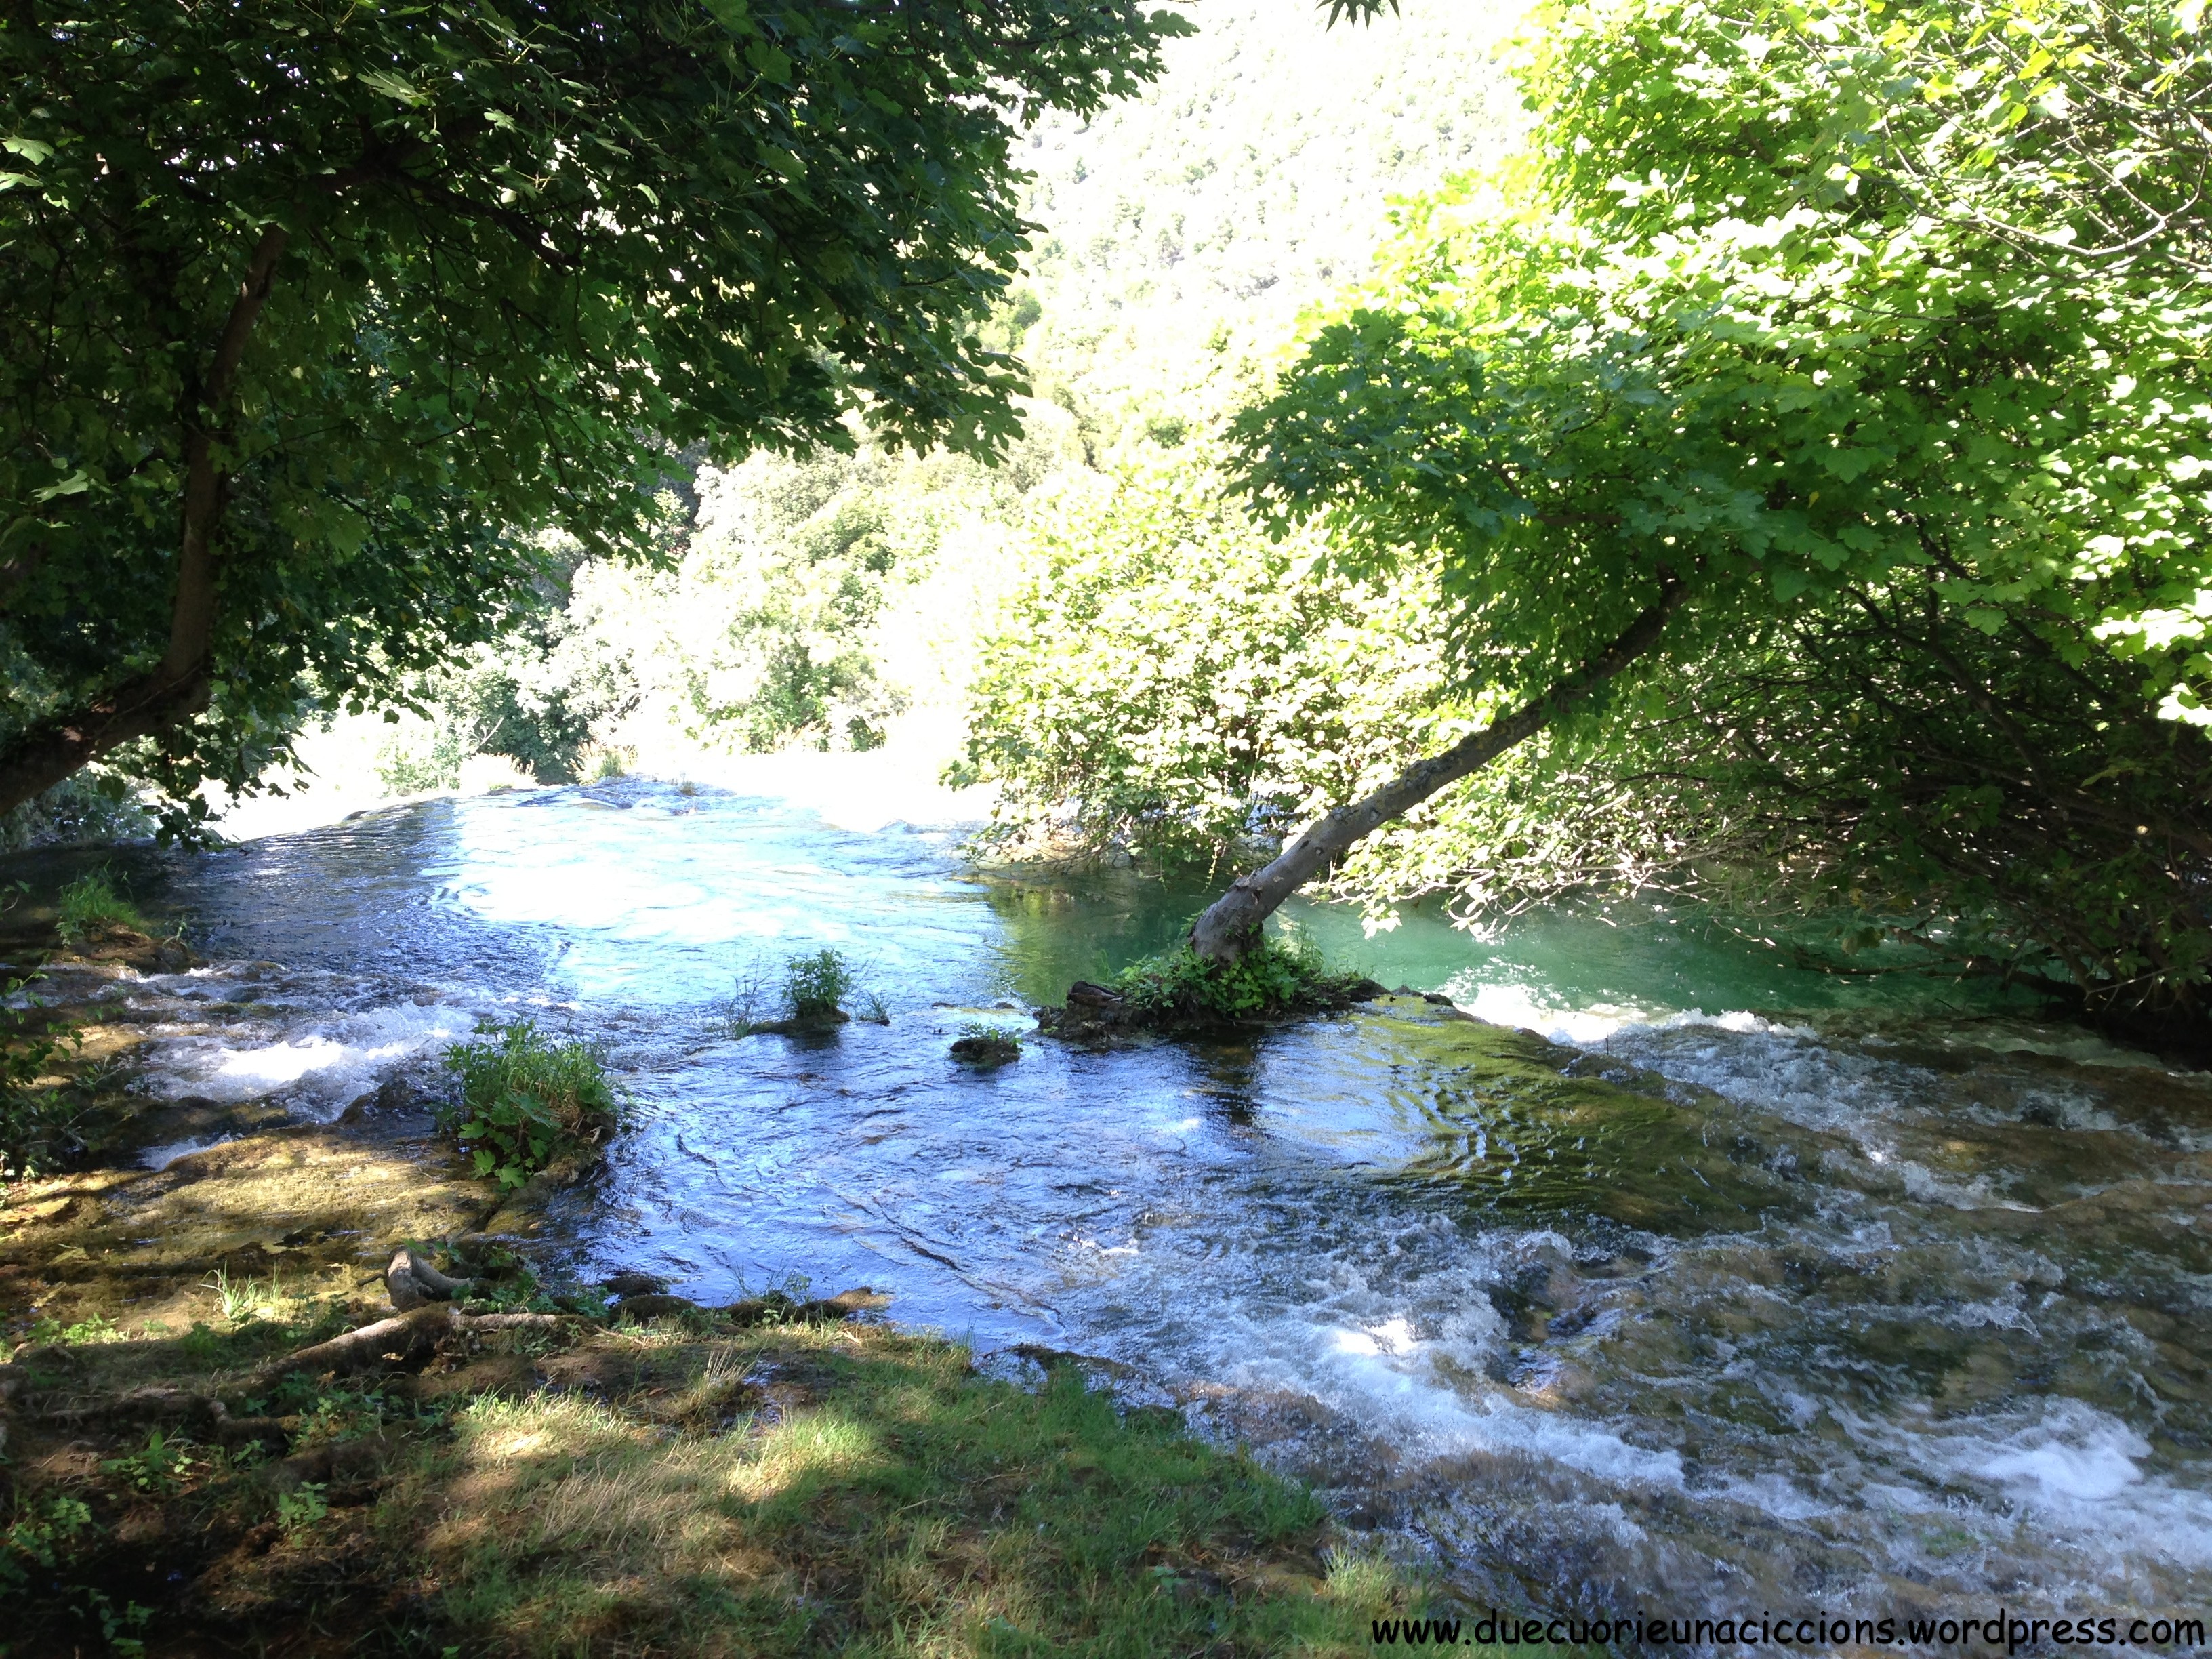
[{"x": 1719, "y": 1280}]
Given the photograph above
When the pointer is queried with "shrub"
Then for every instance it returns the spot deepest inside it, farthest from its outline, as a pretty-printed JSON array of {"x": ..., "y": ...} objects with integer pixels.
[
  {"x": 91, "y": 905},
  {"x": 527, "y": 1101},
  {"x": 816, "y": 986},
  {"x": 1276, "y": 977}
]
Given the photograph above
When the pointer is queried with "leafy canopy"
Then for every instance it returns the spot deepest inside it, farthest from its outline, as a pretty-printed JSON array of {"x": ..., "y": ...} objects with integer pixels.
[
  {"x": 1709, "y": 332},
  {"x": 514, "y": 258}
]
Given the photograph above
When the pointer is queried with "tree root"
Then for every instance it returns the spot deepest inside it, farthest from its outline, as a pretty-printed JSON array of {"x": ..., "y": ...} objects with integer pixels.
[{"x": 413, "y": 1282}]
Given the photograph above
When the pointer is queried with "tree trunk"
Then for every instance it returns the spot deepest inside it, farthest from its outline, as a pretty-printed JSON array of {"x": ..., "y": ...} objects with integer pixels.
[
  {"x": 179, "y": 685},
  {"x": 1231, "y": 925}
]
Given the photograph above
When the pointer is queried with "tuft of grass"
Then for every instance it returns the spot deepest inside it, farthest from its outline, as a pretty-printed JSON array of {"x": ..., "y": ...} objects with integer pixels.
[
  {"x": 527, "y": 1101},
  {"x": 92, "y": 905},
  {"x": 244, "y": 1300},
  {"x": 597, "y": 763},
  {"x": 1277, "y": 977}
]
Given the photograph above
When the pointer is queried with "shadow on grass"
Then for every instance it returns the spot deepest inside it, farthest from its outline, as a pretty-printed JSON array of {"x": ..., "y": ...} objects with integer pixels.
[{"x": 689, "y": 1488}]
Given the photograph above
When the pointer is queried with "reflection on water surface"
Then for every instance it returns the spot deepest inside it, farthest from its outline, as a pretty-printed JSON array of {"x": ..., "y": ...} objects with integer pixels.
[{"x": 1811, "y": 1296}]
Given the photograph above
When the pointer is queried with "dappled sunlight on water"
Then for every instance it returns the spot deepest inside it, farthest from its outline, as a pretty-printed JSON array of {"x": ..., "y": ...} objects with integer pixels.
[{"x": 1720, "y": 1280}]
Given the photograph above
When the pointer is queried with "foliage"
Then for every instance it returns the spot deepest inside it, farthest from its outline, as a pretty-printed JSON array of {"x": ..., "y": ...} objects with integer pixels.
[
  {"x": 1278, "y": 976},
  {"x": 37, "y": 1120},
  {"x": 96, "y": 804},
  {"x": 1184, "y": 228},
  {"x": 315, "y": 319},
  {"x": 1937, "y": 507},
  {"x": 527, "y": 1101},
  {"x": 1171, "y": 685},
  {"x": 92, "y": 905},
  {"x": 814, "y": 987},
  {"x": 93, "y": 1327}
]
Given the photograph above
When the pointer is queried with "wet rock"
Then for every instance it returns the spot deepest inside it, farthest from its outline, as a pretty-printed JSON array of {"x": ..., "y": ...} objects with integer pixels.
[
  {"x": 632, "y": 1284},
  {"x": 861, "y": 1298},
  {"x": 987, "y": 1049}
]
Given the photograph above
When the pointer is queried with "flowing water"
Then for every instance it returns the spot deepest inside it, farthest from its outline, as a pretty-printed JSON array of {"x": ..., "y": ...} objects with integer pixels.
[{"x": 1717, "y": 1288}]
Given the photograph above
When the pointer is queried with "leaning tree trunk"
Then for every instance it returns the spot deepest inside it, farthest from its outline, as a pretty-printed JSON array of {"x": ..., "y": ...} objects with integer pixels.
[{"x": 1231, "y": 925}]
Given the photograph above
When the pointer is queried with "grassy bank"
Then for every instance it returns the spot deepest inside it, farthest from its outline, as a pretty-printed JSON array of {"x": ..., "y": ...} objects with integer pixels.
[{"x": 682, "y": 1486}]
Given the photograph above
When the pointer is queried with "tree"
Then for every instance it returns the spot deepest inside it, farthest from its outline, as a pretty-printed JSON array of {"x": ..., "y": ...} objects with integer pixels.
[
  {"x": 1718, "y": 366},
  {"x": 316, "y": 315}
]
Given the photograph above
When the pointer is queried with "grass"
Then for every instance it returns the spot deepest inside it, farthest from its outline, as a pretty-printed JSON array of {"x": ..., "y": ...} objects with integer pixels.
[
  {"x": 243, "y": 1299},
  {"x": 527, "y": 1101},
  {"x": 92, "y": 905},
  {"x": 685, "y": 1488}
]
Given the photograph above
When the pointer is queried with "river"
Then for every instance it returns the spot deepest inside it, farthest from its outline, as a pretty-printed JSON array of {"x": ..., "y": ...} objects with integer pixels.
[{"x": 1718, "y": 1287}]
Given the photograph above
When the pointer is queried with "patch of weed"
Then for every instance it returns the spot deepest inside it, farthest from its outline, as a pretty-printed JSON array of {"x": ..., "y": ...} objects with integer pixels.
[
  {"x": 93, "y": 905},
  {"x": 159, "y": 1468},
  {"x": 527, "y": 1101},
  {"x": 986, "y": 1045},
  {"x": 815, "y": 987},
  {"x": 301, "y": 1507},
  {"x": 1276, "y": 977},
  {"x": 93, "y": 1327}
]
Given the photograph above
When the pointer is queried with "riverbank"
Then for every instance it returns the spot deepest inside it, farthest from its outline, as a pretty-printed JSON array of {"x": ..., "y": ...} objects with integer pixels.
[{"x": 656, "y": 1479}]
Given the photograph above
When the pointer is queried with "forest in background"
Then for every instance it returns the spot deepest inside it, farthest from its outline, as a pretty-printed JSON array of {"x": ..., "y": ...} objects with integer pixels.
[{"x": 1950, "y": 718}]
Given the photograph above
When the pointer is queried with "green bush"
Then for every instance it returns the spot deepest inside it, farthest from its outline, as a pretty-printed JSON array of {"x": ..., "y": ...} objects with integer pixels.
[
  {"x": 91, "y": 904},
  {"x": 1276, "y": 977},
  {"x": 816, "y": 986},
  {"x": 527, "y": 1101}
]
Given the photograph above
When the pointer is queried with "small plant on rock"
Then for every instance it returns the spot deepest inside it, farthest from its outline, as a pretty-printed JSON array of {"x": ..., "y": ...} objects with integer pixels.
[
  {"x": 816, "y": 986},
  {"x": 527, "y": 1101},
  {"x": 978, "y": 1044}
]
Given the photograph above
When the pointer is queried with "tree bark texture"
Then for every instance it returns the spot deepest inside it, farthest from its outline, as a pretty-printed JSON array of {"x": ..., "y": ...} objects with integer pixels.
[
  {"x": 1231, "y": 925},
  {"x": 179, "y": 684}
]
